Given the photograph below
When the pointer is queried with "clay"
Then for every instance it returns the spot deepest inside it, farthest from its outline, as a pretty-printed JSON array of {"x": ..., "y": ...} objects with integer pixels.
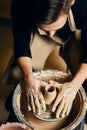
[
  {"x": 50, "y": 94},
  {"x": 54, "y": 125},
  {"x": 37, "y": 123},
  {"x": 44, "y": 125},
  {"x": 58, "y": 76}
]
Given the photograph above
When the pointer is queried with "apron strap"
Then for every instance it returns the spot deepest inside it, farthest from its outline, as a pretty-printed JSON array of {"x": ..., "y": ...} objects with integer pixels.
[{"x": 71, "y": 21}]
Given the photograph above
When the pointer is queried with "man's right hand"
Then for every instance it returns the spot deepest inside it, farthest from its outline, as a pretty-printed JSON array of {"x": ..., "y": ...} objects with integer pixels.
[
  {"x": 36, "y": 101},
  {"x": 35, "y": 98}
]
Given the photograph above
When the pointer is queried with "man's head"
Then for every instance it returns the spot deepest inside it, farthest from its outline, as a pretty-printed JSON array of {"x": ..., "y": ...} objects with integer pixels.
[
  {"x": 48, "y": 11},
  {"x": 51, "y": 15}
]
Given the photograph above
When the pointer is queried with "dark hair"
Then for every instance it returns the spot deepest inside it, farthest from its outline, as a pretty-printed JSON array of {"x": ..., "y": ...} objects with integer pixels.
[{"x": 47, "y": 11}]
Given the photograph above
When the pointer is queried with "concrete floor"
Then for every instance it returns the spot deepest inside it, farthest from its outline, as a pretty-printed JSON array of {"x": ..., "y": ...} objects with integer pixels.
[{"x": 6, "y": 51}]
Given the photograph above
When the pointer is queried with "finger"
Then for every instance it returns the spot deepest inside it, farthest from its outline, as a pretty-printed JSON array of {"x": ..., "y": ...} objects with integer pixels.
[
  {"x": 43, "y": 83},
  {"x": 63, "y": 113},
  {"x": 58, "y": 85},
  {"x": 28, "y": 98},
  {"x": 69, "y": 108},
  {"x": 37, "y": 103},
  {"x": 37, "y": 86},
  {"x": 32, "y": 101},
  {"x": 29, "y": 107},
  {"x": 57, "y": 101},
  {"x": 60, "y": 108},
  {"x": 52, "y": 82},
  {"x": 42, "y": 101}
]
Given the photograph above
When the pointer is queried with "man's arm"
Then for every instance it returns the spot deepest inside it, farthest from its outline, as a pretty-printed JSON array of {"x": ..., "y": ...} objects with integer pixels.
[
  {"x": 80, "y": 77},
  {"x": 26, "y": 67},
  {"x": 68, "y": 91},
  {"x": 21, "y": 27},
  {"x": 81, "y": 74}
]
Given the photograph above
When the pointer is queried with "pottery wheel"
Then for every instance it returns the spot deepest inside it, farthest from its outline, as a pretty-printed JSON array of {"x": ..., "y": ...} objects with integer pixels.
[
  {"x": 20, "y": 105},
  {"x": 54, "y": 75}
]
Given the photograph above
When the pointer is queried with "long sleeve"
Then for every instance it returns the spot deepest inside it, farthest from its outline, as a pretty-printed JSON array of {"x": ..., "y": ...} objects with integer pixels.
[
  {"x": 21, "y": 25},
  {"x": 84, "y": 45},
  {"x": 80, "y": 16}
]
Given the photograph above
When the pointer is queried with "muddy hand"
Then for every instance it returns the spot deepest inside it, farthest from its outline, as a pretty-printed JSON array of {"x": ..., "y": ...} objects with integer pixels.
[
  {"x": 64, "y": 100},
  {"x": 36, "y": 100}
]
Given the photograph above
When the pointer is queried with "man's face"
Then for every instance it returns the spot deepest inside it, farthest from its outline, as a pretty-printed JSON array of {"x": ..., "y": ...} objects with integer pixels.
[{"x": 50, "y": 29}]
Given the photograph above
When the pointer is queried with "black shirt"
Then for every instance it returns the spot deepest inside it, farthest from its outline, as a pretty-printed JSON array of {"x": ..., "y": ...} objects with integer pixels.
[{"x": 23, "y": 25}]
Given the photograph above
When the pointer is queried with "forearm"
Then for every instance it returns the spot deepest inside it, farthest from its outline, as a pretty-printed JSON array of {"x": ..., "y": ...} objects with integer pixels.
[
  {"x": 80, "y": 76},
  {"x": 25, "y": 65}
]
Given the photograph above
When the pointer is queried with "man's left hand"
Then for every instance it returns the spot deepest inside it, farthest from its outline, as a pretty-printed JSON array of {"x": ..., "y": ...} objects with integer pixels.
[{"x": 63, "y": 103}]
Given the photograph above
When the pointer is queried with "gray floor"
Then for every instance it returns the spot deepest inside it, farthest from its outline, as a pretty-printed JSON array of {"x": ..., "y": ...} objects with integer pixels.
[{"x": 6, "y": 50}]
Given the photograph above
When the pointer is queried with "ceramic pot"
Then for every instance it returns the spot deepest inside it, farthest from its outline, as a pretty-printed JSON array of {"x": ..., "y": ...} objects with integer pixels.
[{"x": 50, "y": 94}]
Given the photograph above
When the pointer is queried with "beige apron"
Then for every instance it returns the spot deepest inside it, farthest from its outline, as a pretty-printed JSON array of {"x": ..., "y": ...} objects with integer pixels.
[{"x": 45, "y": 50}]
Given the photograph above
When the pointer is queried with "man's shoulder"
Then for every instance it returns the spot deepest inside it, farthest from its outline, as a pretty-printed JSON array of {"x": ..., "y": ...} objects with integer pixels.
[
  {"x": 80, "y": 4},
  {"x": 79, "y": 10}
]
